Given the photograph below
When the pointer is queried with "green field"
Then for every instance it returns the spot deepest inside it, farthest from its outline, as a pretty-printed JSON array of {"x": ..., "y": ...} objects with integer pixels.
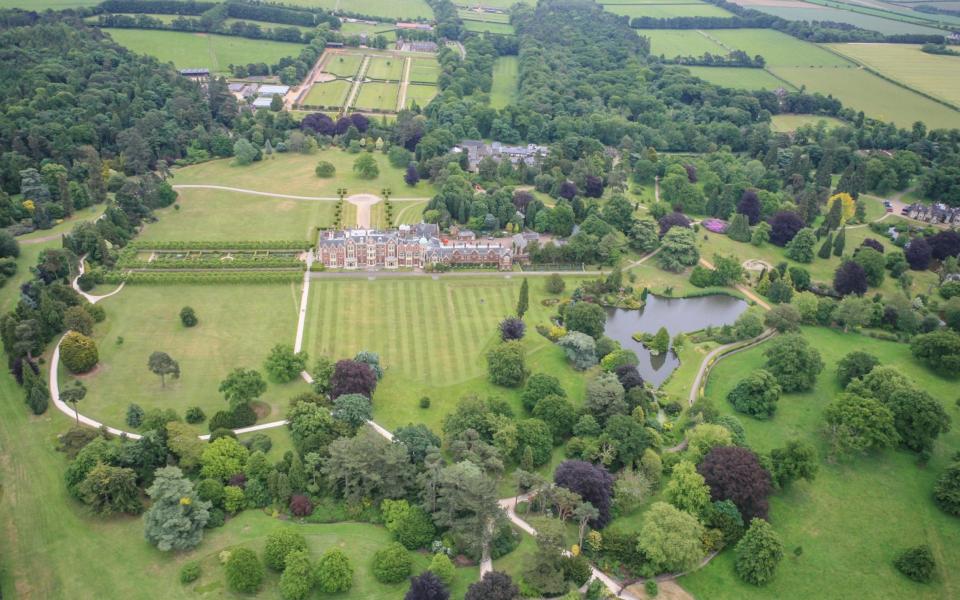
[
  {"x": 377, "y": 96},
  {"x": 777, "y": 48},
  {"x": 329, "y": 93},
  {"x": 506, "y": 77},
  {"x": 879, "y": 99},
  {"x": 502, "y": 4},
  {"x": 680, "y": 42},
  {"x": 408, "y": 213},
  {"x": 294, "y": 174},
  {"x": 386, "y": 68},
  {"x": 838, "y": 15},
  {"x": 424, "y": 70},
  {"x": 885, "y": 496},
  {"x": 788, "y": 123},
  {"x": 343, "y": 65},
  {"x": 665, "y": 11},
  {"x": 46, "y": 4},
  {"x": 219, "y": 215},
  {"x": 421, "y": 94},
  {"x": 201, "y": 50},
  {"x": 384, "y": 29},
  {"x": 739, "y": 78},
  {"x": 481, "y": 26},
  {"x": 390, "y": 9},
  {"x": 473, "y": 15},
  {"x": 935, "y": 75},
  {"x": 238, "y": 326}
]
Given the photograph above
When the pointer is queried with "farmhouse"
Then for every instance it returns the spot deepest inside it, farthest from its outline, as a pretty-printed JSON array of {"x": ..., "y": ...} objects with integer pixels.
[
  {"x": 477, "y": 150},
  {"x": 412, "y": 247}
]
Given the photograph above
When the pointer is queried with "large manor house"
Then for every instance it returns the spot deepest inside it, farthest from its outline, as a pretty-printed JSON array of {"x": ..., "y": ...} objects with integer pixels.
[{"x": 409, "y": 246}]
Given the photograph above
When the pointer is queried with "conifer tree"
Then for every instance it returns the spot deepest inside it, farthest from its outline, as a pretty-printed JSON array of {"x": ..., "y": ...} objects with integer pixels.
[
  {"x": 827, "y": 247},
  {"x": 524, "y": 302},
  {"x": 840, "y": 242}
]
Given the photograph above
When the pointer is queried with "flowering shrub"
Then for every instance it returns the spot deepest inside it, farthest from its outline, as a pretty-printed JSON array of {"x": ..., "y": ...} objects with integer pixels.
[{"x": 715, "y": 225}]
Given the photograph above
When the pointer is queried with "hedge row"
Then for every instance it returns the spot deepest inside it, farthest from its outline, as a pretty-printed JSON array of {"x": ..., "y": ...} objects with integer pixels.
[
  {"x": 200, "y": 277},
  {"x": 228, "y": 245},
  {"x": 213, "y": 263}
]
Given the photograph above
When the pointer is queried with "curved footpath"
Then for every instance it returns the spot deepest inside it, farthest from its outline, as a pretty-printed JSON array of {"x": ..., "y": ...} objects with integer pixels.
[{"x": 508, "y": 505}]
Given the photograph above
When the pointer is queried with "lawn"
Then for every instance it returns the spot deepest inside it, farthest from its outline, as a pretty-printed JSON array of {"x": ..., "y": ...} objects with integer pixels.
[
  {"x": 384, "y": 29},
  {"x": 506, "y": 76},
  {"x": 777, "y": 48},
  {"x": 389, "y": 9},
  {"x": 40, "y": 5},
  {"x": 408, "y": 213},
  {"x": 343, "y": 65},
  {"x": 440, "y": 331},
  {"x": 377, "y": 96},
  {"x": 294, "y": 174},
  {"x": 790, "y": 123},
  {"x": 484, "y": 26},
  {"x": 838, "y": 15},
  {"x": 238, "y": 326},
  {"x": 739, "y": 78},
  {"x": 329, "y": 93},
  {"x": 421, "y": 94},
  {"x": 886, "y": 497},
  {"x": 387, "y": 68},
  {"x": 936, "y": 75},
  {"x": 424, "y": 70},
  {"x": 473, "y": 15},
  {"x": 680, "y": 42},
  {"x": 218, "y": 215},
  {"x": 878, "y": 98},
  {"x": 665, "y": 11},
  {"x": 201, "y": 50}
]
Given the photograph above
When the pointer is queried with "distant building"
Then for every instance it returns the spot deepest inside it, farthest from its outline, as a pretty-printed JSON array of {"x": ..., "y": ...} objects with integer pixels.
[
  {"x": 196, "y": 74},
  {"x": 262, "y": 102},
  {"x": 413, "y": 247},
  {"x": 933, "y": 213},
  {"x": 270, "y": 90},
  {"x": 521, "y": 241},
  {"x": 416, "y": 46},
  {"x": 476, "y": 150},
  {"x": 415, "y": 26}
]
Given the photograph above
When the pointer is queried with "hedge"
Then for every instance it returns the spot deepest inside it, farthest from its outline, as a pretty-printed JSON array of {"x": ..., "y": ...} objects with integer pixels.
[
  {"x": 213, "y": 263},
  {"x": 202, "y": 277},
  {"x": 228, "y": 245}
]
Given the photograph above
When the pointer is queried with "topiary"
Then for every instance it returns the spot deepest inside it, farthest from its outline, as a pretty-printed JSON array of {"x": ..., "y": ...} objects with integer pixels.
[
  {"x": 194, "y": 415},
  {"x": 78, "y": 352},
  {"x": 916, "y": 563},
  {"x": 188, "y": 317},
  {"x": 190, "y": 572},
  {"x": 334, "y": 573},
  {"x": 244, "y": 571},
  {"x": 392, "y": 564},
  {"x": 443, "y": 568}
]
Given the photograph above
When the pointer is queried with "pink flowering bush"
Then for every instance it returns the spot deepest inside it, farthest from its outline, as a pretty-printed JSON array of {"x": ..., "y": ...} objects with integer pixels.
[{"x": 715, "y": 225}]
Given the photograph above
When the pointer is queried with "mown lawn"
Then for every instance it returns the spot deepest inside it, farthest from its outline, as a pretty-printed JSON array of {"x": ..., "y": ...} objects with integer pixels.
[
  {"x": 238, "y": 326},
  {"x": 852, "y": 520},
  {"x": 424, "y": 70},
  {"x": 790, "y": 123},
  {"x": 389, "y": 68},
  {"x": 328, "y": 93},
  {"x": 294, "y": 174},
  {"x": 421, "y": 94},
  {"x": 389, "y": 9},
  {"x": 506, "y": 74},
  {"x": 343, "y": 65},
  {"x": 377, "y": 96},
  {"x": 679, "y": 42},
  {"x": 739, "y": 78}
]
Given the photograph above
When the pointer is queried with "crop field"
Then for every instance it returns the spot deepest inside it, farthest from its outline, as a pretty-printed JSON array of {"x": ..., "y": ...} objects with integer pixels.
[
  {"x": 876, "y": 97},
  {"x": 474, "y": 15},
  {"x": 386, "y": 68},
  {"x": 390, "y": 9},
  {"x": 39, "y": 5},
  {"x": 829, "y": 515},
  {"x": 377, "y": 96},
  {"x": 384, "y": 29},
  {"x": 201, "y": 50},
  {"x": 662, "y": 11},
  {"x": 424, "y": 70},
  {"x": 680, "y": 42},
  {"x": 238, "y": 326},
  {"x": 506, "y": 77},
  {"x": 739, "y": 78},
  {"x": 936, "y": 75},
  {"x": 502, "y": 4},
  {"x": 825, "y": 13},
  {"x": 788, "y": 123},
  {"x": 483, "y": 26},
  {"x": 294, "y": 174},
  {"x": 343, "y": 65},
  {"x": 777, "y": 48},
  {"x": 421, "y": 94},
  {"x": 329, "y": 93}
]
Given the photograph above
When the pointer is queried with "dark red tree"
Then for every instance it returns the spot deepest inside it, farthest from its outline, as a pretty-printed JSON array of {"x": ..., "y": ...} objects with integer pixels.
[
  {"x": 784, "y": 226},
  {"x": 318, "y": 123},
  {"x": 750, "y": 206},
  {"x": 674, "y": 219},
  {"x": 629, "y": 376},
  {"x": 343, "y": 124},
  {"x": 426, "y": 586},
  {"x": 412, "y": 177},
  {"x": 594, "y": 187},
  {"x": 512, "y": 328},
  {"x": 944, "y": 244},
  {"x": 352, "y": 377},
  {"x": 691, "y": 173},
  {"x": 522, "y": 199},
  {"x": 238, "y": 480},
  {"x": 918, "y": 253},
  {"x": 568, "y": 190},
  {"x": 361, "y": 122},
  {"x": 300, "y": 505},
  {"x": 850, "y": 278},
  {"x": 872, "y": 243},
  {"x": 592, "y": 482},
  {"x": 494, "y": 586},
  {"x": 735, "y": 474}
]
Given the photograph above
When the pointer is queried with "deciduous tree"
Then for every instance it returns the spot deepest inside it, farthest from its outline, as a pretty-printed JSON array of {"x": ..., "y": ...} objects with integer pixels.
[
  {"x": 161, "y": 364},
  {"x": 758, "y": 553}
]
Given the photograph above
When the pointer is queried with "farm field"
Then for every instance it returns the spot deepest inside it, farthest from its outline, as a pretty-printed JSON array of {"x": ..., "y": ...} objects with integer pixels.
[
  {"x": 201, "y": 50},
  {"x": 793, "y": 11},
  {"x": 663, "y": 11},
  {"x": 390, "y": 9},
  {"x": 502, "y": 4},
  {"x": 739, "y": 78},
  {"x": 506, "y": 74},
  {"x": 474, "y": 15},
  {"x": 788, "y": 123},
  {"x": 294, "y": 174},
  {"x": 238, "y": 326},
  {"x": 385, "y": 29},
  {"x": 343, "y": 65},
  {"x": 878, "y": 98},
  {"x": 377, "y": 96},
  {"x": 219, "y": 215},
  {"x": 481, "y": 26},
  {"x": 46, "y": 4},
  {"x": 680, "y": 42},
  {"x": 329, "y": 93},
  {"x": 387, "y": 68},
  {"x": 777, "y": 48},
  {"x": 936, "y": 75},
  {"x": 829, "y": 515},
  {"x": 421, "y": 94},
  {"x": 424, "y": 70}
]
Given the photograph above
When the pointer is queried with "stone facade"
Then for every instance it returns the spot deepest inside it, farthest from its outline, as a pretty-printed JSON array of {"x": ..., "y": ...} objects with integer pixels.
[
  {"x": 476, "y": 150},
  {"x": 933, "y": 213}
]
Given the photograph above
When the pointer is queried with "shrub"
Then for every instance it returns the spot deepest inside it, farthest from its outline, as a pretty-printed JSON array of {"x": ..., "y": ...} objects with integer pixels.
[
  {"x": 512, "y": 328},
  {"x": 855, "y": 365},
  {"x": 758, "y": 553},
  {"x": 555, "y": 284},
  {"x": 233, "y": 499},
  {"x": 211, "y": 490},
  {"x": 325, "y": 169},
  {"x": 134, "y": 415},
  {"x": 297, "y": 579},
  {"x": 334, "y": 573},
  {"x": 651, "y": 588},
  {"x": 392, "y": 564},
  {"x": 916, "y": 563},
  {"x": 442, "y": 567},
  {"x": 280, "y": 543},
  {"x": 300, "y": 505},
  {"x": 188, "y": 317},
  {"x": 946, "y": 492},
  {"x": 190, "y": 572},
  {"x": 425, "y": 402},
  {"x": 77, "y": 319},
  {"x": 244, "y": 571},
  {"x": 195, "y": 415},
  {"x": 506, "y": 365},
  {"x": 78, "y": 352},
  {"x": 756, "y": 394}
]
